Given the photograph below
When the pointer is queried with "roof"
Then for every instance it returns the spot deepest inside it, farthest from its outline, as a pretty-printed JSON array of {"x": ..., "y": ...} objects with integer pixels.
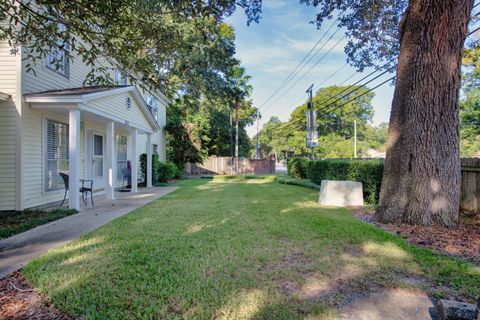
[
  {"x": 73, "y": 91},
  {"x": 83, "y": 95}
]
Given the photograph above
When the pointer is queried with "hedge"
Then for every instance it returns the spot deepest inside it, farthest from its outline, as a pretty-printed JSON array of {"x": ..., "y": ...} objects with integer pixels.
[
  {"x": 298, "y": 182},
  {"x": 297, "y": 167},
  {"x": 368, "y": 172}
]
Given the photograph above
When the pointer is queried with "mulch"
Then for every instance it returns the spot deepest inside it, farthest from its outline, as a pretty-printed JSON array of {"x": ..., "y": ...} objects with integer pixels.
[
  {"x": 463, "y": 243},
  {"x": 18, "y": 300}
]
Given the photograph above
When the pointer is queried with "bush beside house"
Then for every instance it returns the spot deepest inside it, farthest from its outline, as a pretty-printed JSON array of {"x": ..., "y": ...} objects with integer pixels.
[
  {"x": 368, "y": 172},
  {"x": 162, "y": 171}
]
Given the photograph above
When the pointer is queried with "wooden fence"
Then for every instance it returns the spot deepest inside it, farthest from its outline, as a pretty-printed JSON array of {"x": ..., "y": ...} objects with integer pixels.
[
  {"x": 225, "y": 165},
  {"x": 470, "y": 194}
]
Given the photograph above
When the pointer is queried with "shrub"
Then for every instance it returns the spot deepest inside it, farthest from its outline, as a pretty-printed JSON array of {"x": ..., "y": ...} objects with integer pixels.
[
  {"x": 297, "y": 167},
  {"x": 368, "y": 172},
  {"x": 166, "y": 170},
  {"x": 298, "y": 182},
  {"x": 155, "y": 164}
]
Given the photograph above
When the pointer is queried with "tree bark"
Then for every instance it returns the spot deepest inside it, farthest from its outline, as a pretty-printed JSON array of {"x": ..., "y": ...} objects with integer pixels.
[{"x": 421, "y": 180}]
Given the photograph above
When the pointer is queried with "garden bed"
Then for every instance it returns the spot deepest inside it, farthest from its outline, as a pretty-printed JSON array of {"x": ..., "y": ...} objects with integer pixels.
[
  {"x": 463, "y": 242},
  {"x": 14, "y": 222}
]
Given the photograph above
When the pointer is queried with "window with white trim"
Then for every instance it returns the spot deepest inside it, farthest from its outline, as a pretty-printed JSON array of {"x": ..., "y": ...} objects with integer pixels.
[
  {"x": 56, "y": 155},
  {"x": 155, "y": 148},
  {"x": 153, "y": 103},
  {"x": 121, "y": 146},
  {"x": 120, "y": 78},
  {"x": 57, "y": 59}
]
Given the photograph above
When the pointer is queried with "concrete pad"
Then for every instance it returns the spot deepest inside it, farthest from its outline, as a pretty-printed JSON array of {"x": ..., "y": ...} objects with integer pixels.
[
  {"x": 18, "y": 250},
  {"x": 393, "y": 304},
  {"x": 341, "y": 193}
]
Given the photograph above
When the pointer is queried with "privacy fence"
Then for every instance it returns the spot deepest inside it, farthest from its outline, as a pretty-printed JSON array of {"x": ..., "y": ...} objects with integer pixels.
[
  {"x": 225, "y": 165},
  {"x": 470, "y": 195}
]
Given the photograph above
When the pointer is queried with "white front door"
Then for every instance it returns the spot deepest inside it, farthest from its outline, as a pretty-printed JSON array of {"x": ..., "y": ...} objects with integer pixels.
[{"x": 95, "y": 152}]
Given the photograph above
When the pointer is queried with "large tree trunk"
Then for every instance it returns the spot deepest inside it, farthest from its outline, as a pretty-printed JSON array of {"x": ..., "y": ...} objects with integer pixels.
[{"x": 421, "y": 181}]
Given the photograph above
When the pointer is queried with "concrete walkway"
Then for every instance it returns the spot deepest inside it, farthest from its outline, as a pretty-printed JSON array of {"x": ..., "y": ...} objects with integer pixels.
[{"x": 18, "y": 250}]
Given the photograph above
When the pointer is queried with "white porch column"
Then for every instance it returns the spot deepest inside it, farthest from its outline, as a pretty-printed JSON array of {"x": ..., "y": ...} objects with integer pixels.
[
  {"x": 110, "y": 160},
  {"x": 74, "y": 158},
  {"x": 149, "y": 160},
  {"x": 134, "y": 160}
]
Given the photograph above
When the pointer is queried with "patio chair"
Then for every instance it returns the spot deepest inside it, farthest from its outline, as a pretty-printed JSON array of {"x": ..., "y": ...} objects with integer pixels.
[
  {"x": 127, "y": 178},
  {"x": 85, "y": 187}
]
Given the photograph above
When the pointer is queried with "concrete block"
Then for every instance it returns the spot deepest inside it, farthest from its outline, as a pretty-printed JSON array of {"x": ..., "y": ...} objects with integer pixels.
[
  {"x": 341, "y": 193},
  {"x": 455, "y": 310}
]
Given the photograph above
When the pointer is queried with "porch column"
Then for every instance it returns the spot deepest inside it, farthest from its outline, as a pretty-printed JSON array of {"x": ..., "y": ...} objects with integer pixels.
[
  {"x": 134, "y": 160},
  {"x": 149, "y": 160},
  {"x": 110, "y": 159},
  {"x": 74, "y": 158}
]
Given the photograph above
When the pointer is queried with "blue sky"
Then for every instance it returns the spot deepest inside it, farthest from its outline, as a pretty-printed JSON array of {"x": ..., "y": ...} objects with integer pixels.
[{"x": 271, "y": 49}]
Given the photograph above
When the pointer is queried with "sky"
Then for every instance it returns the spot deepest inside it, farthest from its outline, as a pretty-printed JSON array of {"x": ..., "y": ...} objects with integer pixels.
[{"x": 271, "y": 49}]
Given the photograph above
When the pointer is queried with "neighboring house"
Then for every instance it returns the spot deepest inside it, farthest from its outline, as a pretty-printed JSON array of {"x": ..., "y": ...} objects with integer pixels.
[{"x": 49, "y": 123}]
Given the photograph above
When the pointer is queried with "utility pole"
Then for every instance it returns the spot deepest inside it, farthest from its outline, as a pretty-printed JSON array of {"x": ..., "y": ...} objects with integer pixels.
[
  {"x": 259, "y": 116},
  {"x": 354, "y": 139},
  {"x": 236, "y": 136},
  {"x": 311, "y": 128},
  {"x": 231, "y": 136}
]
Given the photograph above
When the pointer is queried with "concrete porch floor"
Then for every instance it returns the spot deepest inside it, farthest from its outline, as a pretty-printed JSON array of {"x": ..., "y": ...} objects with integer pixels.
[{"x": 18, "y": 250}]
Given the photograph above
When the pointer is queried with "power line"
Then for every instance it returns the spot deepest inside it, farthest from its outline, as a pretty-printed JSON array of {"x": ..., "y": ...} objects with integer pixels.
[
  {"x": 300, "y": 121},
  {"x": 361, "y": 95},
  {"x": 294, "y": 71},
  {"x": 310, "y": 69},
  {"x": 352, "y": 91},
  {"x": 340, "y": 84}
]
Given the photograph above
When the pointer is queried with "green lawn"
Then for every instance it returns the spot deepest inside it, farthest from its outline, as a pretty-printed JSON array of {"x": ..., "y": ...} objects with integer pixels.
[{"x": 233, "y": 248}]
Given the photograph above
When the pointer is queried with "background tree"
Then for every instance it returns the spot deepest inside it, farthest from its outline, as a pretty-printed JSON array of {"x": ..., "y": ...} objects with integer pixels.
[
  {"x": 470, "y": 104},
  {"x": 335, "y": 127}
]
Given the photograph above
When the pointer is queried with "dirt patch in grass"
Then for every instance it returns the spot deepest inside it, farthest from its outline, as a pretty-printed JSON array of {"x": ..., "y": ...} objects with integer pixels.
[
  {"x": 463, "y": 242},
  {"x": 18, "y": 300}
]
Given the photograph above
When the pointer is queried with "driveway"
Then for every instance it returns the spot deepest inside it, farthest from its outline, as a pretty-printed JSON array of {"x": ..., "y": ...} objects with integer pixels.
[{"x": 18, "y": 250}]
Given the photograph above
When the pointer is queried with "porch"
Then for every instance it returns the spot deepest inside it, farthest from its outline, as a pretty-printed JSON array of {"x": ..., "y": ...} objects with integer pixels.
[{"x": 93, "y": 133}]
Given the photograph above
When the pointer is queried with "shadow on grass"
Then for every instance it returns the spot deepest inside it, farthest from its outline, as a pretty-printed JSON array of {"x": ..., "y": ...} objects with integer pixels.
[{"x": 237, "y": 249}]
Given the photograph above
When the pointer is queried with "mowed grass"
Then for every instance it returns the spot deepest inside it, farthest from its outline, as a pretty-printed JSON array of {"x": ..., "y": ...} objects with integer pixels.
[{"x": 236, "y": 248}]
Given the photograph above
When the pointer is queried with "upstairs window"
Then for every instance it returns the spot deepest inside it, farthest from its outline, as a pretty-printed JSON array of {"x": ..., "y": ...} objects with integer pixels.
[
  {"x": 153, "y": 103},
  {"x": 120, "y": 78},
  {"x": 57, "y": 59},
  {"x": 56, "y": 155}
]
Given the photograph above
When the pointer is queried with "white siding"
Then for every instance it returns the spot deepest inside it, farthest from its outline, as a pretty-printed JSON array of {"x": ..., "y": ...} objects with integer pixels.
[
  {"x": 8, "y": 120},
  {"x": 115, "y": 106}
]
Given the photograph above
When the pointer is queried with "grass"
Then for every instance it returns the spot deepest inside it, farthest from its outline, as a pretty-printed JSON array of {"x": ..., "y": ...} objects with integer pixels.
[
  {"x": 236, "y": 248},
  {"x": 12, "y": 223}
]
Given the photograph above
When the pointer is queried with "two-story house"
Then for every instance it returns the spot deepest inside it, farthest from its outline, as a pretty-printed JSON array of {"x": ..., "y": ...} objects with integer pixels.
[{"x": 50, "y": 122}]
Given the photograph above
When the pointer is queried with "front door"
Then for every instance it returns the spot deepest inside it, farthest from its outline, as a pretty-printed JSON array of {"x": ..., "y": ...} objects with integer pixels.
[{"x": 95, "y": 152}]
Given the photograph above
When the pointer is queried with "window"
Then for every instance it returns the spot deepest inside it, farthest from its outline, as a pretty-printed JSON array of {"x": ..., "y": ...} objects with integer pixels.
[
  {"x": 57, "y": 59},
  {"x": 152, "y": 102},
  {"x": 120, "y": 78},
  {"x": 121, "y": 146},
  {"x": 97, "y": 156},
  {"x": 155, "y": 148},
  {"x": 56, "y": 154}
]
